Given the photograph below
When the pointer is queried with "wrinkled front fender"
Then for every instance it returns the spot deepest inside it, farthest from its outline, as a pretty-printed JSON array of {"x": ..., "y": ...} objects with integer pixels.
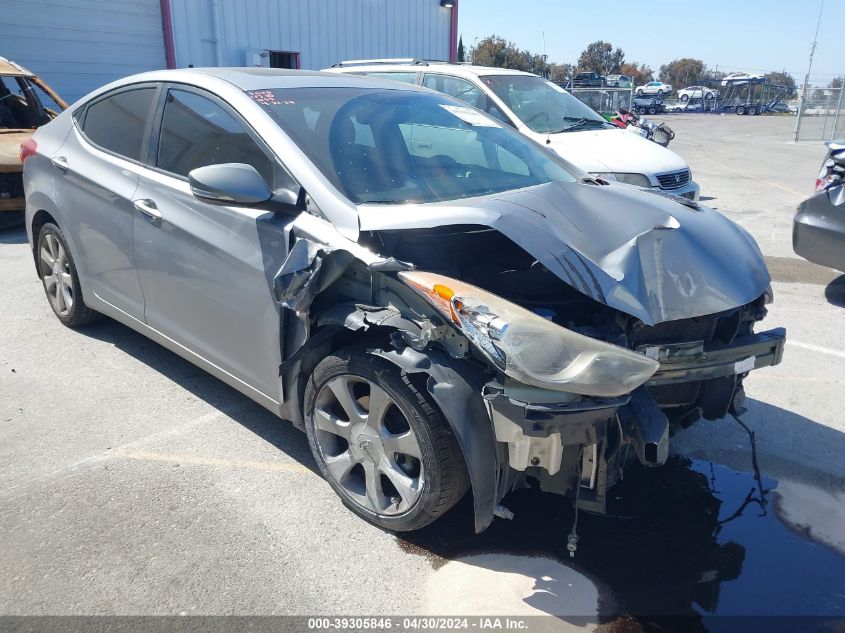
[{"x": 456, "y": 388}]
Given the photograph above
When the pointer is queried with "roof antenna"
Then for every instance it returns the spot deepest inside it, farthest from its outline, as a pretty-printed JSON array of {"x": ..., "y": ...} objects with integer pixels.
[{"x": 546, "y": 92}]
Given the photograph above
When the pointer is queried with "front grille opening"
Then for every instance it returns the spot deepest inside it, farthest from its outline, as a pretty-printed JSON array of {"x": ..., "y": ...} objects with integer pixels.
[
  {"x": 674, "y": 179},
  {"x": 680, "y": 331}
]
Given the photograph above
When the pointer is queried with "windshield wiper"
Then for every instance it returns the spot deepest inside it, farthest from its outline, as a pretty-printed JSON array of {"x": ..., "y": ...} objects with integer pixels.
[{"x": 577, "y": 124}]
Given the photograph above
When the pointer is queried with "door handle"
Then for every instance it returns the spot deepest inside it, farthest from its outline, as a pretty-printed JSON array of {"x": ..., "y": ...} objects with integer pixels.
[
  {"x": 149, "y": 209},
  {"x": 60, "y": 162}
]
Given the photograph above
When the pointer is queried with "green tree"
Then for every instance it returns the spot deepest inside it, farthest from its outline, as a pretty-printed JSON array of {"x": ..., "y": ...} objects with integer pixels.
[
  {"x": 783, "y": 79},
  {"x": 683, "y": 72},
  {"x": 639, "y": 73},
  {"x": 602, "y": 58},
  {"x": 497, "y": 52},
  {"x": 461, "y": 54},
  {"x": 559, "y": 73}
]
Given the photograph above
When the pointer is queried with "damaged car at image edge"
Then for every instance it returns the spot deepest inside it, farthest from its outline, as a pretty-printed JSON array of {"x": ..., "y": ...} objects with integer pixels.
[
  {"x": 21, "y": 112},
  {"x": 442, "y": 304}
]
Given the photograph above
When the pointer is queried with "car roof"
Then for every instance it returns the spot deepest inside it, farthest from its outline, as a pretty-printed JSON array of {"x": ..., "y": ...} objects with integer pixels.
[
  {"x": 465, "y": 70},
  {"x": 8, "y": 67},
  {"x": 247, "y": 79},
  {"x": 264, "y": 78}
]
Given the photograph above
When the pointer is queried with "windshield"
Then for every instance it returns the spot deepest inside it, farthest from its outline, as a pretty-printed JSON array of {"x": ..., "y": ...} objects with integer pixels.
[
  {"x": 544, "y": 107},
  {"x": 396, "y": 146}
]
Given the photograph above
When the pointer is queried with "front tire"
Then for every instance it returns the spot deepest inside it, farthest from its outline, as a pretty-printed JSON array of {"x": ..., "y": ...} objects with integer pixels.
[
  {"x": 381, "y": 443},
  {"x": 60, "y": 279}
]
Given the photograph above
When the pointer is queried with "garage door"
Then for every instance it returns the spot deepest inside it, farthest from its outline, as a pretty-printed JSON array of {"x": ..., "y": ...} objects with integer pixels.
[{"x": 79, "y": 45}]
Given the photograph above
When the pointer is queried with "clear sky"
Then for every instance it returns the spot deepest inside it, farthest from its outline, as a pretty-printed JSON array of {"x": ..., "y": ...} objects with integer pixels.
[{"x": 736, "y": 35}]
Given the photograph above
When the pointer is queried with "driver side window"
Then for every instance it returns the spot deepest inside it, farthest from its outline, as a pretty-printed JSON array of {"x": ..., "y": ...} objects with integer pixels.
[{"x": 196, "y": 131}]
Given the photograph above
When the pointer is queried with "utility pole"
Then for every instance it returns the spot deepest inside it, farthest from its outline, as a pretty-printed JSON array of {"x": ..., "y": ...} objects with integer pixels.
[{"x": 807, "y": 77}]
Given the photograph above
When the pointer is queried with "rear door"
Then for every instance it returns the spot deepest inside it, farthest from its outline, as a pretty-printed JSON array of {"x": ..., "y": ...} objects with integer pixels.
[
  {"x": 207, "y": 270},
  {"x": 96, "y": 175}
]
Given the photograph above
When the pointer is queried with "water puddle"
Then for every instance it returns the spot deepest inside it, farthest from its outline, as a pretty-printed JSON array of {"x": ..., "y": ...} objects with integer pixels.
[{"x": 691, "y": 540}]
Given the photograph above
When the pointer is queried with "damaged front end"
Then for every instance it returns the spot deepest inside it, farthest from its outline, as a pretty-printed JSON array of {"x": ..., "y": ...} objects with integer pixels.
[{"x": 547, "y": 366}]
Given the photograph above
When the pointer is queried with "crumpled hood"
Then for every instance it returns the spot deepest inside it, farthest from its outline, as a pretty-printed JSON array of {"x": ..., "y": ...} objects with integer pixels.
[
  {"x": 639, "y": 252},
  {"x": 615, "y": 151}
]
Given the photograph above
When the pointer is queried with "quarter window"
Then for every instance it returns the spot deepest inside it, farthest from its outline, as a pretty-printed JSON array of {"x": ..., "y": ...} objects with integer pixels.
[
  {"x": 455, "y": 87},
  {"x": 117, "y": 123},
  {"x": 195, "y": 132}
]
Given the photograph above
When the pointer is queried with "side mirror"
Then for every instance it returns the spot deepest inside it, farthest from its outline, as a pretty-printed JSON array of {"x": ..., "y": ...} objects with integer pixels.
[{"x": 229, "y": 183}]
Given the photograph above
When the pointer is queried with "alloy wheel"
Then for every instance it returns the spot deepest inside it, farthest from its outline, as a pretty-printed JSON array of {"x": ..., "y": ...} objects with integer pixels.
[
  {"x": 55, "y": 272},
  {"x": 368, "y": 446}
]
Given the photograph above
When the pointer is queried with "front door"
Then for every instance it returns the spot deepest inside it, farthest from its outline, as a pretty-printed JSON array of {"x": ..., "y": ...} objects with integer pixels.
[{"x": 207, "y": 270}]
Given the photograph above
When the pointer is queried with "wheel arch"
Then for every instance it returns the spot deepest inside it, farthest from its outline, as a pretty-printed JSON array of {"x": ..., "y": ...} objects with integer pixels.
[
  {"x": 39, "y": 219},
  {"x": 455, "y": 386}
]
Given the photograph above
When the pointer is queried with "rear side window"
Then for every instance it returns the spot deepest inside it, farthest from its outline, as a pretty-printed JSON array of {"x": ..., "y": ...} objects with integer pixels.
[
  {"x": 196, "y": 131},
  {"x": 455, "y": 87},
  {"x": 117, "y": 123}
]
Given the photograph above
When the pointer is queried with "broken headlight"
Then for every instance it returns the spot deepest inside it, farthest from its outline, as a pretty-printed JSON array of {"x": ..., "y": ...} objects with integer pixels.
[{"x": 529, "y": 348}]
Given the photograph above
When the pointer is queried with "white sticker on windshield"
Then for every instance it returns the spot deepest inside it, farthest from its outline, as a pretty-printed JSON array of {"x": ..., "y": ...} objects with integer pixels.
[{"x": 468, "y": 115}]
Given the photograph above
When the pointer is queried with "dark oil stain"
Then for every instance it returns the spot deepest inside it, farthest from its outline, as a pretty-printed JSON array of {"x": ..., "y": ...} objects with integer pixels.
[{"x": 683, "y": 544}]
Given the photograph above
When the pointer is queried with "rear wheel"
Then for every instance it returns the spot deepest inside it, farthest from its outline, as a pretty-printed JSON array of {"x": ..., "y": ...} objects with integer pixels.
[
  {"x": 61, "y": 282},
  {"x": 639, "y": 93},
  {"x": 381, "y": 443},
  {"x": 11, "y": 219},
  {"x": 752, "y": 110},
  {"x": 740, "y": 109},
  {"x": 685, "y": 98}
]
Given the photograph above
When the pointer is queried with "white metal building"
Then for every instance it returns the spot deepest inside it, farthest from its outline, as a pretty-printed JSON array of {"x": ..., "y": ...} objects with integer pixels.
[{"x": 78, "y": 45}]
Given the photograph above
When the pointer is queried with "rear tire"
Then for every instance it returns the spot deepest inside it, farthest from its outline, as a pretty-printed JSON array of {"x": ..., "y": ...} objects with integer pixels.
[
  {"x": 752, "y": 110},
  {"x": 60, "y": 279},
  {"x": 740, "y": 110},
  {"x": 381, "y": 443},
  {"x": 684, "y": 98},
  {"x": 11, "y": 219},
  {"x": 639, "y": 93}
]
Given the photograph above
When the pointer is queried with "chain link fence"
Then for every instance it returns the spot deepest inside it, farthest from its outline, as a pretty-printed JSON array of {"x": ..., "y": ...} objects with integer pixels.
[
  {"x": 821, "y": 115},
  {"x": 605, "y": 100}
]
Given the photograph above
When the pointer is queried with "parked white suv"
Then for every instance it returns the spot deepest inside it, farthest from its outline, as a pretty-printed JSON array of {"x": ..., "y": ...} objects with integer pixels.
[
  {"x": 548, "y": 114},
  {"x": 618, "y": 81}
]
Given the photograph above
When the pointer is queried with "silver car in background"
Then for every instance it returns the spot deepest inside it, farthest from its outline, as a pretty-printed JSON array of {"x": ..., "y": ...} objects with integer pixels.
[{"x": 440, "y": 303}]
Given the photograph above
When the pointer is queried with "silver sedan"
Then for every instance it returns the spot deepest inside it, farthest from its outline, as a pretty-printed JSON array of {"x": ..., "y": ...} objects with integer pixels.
[{"x": 439, "y": 302}]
